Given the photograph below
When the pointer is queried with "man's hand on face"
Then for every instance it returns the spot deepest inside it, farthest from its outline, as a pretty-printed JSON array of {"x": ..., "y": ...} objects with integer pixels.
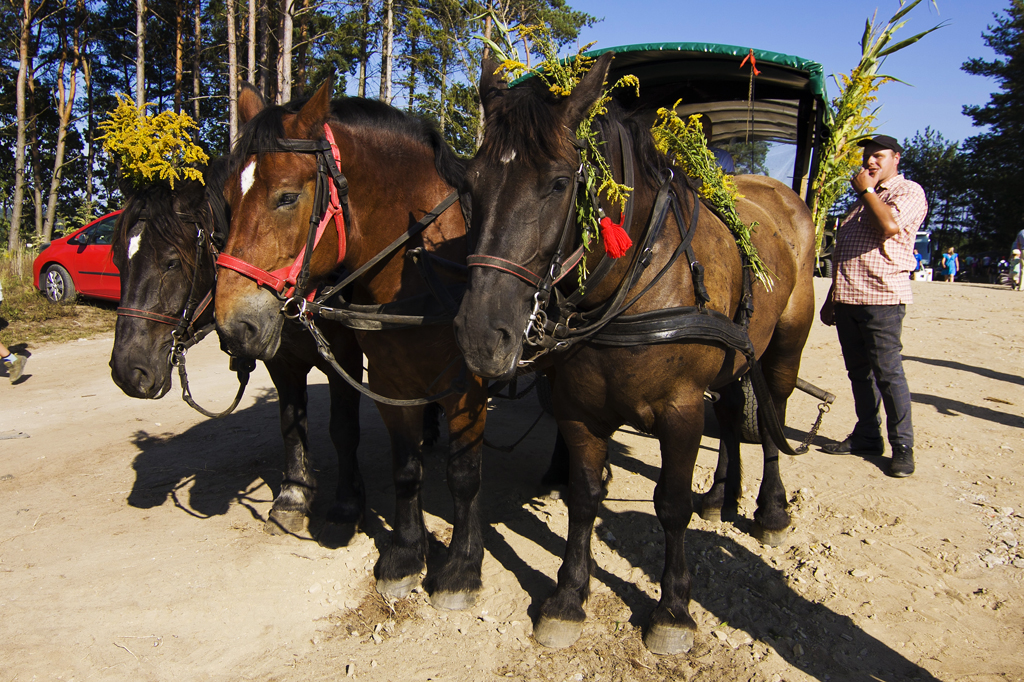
[{"x": 861, "y": 181}]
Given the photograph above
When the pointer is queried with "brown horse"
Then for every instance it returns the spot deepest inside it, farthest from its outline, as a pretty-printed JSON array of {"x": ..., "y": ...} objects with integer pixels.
[
  {"x": 651, "y": 366},
  {"x": 397, "y": 169}
]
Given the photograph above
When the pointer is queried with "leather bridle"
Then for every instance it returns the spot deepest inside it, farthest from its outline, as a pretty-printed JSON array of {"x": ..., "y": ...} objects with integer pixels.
[{"x": 330, "y": 202}]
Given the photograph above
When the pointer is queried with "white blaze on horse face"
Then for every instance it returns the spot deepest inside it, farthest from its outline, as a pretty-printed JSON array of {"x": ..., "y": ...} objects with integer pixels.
[
  {"x": 509, "y": 157},
  {"x": 248, "y": 177},
  {"x": 133, "y": 244}
]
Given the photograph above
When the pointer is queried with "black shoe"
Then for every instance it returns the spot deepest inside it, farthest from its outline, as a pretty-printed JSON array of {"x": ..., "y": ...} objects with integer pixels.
[
  {"x": 854, "y": 446},
  {"x": 902, "y": 464}
]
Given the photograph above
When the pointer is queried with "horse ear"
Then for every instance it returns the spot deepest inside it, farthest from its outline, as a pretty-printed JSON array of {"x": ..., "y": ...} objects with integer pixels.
[
  {"x": 490, "y": 83},
  {"x": 313, "y": 113},
  {"x": 250, "y": 103},
  {"x": 588, "y": 90}
]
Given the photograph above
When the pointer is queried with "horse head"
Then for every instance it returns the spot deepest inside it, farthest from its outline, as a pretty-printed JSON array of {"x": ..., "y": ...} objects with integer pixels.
[
  {"x": 521, "y": 185},
  {"x": 271, "y": 193},
  {"x": 162, "y": 248}
]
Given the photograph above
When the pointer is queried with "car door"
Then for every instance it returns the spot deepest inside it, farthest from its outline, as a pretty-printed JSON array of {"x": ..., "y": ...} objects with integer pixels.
[{"x": 92, "y": 267}]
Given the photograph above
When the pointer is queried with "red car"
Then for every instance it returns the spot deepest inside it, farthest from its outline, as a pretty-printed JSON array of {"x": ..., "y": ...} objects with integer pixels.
[{"x": 80, "y": 263}]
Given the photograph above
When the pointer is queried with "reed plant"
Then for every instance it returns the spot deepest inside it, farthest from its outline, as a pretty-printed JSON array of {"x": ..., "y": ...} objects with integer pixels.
[{"x": 851, "y": 115}]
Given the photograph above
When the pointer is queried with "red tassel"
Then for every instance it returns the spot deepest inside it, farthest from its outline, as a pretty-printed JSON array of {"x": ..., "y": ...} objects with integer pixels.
[{"x": 616, "y": 240}]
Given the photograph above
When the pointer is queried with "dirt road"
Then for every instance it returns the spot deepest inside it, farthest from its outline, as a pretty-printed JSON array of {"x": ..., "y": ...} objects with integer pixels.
[{"x": 131, "y": 545}]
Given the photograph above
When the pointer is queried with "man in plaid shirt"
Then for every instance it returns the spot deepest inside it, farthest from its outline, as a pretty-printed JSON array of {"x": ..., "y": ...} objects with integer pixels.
[{"x": 874, "y": 255}]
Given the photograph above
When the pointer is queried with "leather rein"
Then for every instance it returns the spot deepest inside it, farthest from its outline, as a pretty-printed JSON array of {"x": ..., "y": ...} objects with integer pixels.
[{"x": 290, "y": 284}]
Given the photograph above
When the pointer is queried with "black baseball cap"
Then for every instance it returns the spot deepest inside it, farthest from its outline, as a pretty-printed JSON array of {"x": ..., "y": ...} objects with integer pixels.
[{"x": 883, "y": 141}]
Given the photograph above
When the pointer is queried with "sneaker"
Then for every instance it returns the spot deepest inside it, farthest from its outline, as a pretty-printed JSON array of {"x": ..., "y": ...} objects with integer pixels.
[
  {"x": 16, "y": 367},
  {"x": 855, "y": 446},
  {"x": 902, "y": 464}
]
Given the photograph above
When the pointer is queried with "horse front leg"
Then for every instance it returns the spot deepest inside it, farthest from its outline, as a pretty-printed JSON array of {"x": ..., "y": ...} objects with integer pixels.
[
  {"x": 399, "y": 567},
  {"x": 771, "y": 516},
  {"x": 292, "y": 504},
  {"x": 350, "y": 498},
  {"x": 457, "y": 584},
  {"x": 679, "y": 429},
  {"x": 562, "y": 614}
]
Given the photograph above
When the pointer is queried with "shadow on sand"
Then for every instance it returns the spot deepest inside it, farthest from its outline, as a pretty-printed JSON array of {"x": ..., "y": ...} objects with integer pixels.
[{"x": 237, "y": 460}]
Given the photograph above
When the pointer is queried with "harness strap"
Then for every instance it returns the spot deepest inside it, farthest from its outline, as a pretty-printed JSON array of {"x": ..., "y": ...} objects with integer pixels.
[
  {"x": 512, "y": 268},
  {"x": 148, "y": 315},
  {"x": 413, "y": 230}
]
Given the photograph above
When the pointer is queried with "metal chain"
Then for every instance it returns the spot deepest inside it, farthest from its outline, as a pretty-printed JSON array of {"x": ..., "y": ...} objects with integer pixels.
[{"x": 802, "y": 448}]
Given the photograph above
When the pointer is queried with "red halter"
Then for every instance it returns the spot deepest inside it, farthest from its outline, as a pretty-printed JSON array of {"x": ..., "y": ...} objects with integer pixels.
[{"x": 283, "y": 280}]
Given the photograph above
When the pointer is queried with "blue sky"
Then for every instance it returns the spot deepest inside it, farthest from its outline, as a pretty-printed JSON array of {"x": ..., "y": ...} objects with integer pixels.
[{"x": 829, "y": 32}]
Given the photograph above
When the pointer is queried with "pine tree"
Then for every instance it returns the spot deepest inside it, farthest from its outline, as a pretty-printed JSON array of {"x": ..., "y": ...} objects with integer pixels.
[{"x": 995, "y": 170}]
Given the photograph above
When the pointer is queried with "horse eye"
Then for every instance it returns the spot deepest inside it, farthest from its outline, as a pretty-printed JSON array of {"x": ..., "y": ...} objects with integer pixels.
[
  {"x": 559, "y": 185},
  {"x": 287, "y": 199},
  {"x": 174, "y": 264}
]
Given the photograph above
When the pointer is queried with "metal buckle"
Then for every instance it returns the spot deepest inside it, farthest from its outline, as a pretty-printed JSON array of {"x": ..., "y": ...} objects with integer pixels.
[
  {"x": 300, "y": 308},
  {"x": 537, "y": 321}
]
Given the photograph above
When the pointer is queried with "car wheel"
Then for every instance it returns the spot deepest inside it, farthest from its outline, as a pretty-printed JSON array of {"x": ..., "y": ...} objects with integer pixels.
[{"x": 58, "y": 285}]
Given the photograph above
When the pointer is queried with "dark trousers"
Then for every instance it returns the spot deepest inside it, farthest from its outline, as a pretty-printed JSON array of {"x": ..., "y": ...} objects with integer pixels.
[{"x": 870, "y": 339}]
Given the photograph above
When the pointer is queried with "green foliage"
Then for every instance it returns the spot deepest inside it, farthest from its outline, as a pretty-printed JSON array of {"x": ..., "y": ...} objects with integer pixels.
[
  {"x": 685, "y": 144},
  {"x": 152, "y": 147},
  {"x": 850, "y": 118},
  {"x": 995, "y": 159},
  {"x": 749, "y": 157}
]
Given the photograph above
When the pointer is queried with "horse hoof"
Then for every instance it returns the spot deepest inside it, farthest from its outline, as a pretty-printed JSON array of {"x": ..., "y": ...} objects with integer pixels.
[
  {"x": 667, "y": 640},
  {"x": 711, "y": 514},
  {"x": 772, "y": 538},
  {"x": 453, "y": 601},
  {"x": 285, "y": 523},
  {"x": 557, "y": 634},
  {"x": 398, "y": 589},
  {"x": 336, "y": 535}
]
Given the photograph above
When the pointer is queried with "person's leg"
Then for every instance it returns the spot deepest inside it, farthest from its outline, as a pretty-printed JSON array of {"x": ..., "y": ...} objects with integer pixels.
[
  {"x": 866, "y": 398},
  {"x": 882, "y": 327},
  {"x": 3, "y": 351}
]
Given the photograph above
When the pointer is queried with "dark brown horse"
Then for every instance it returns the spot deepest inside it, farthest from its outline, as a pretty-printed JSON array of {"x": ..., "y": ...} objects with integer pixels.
[
  {"x": 628, "y": 363},
  {"x": 163, "y": 247},
  {"x": 396, "y": 169}
]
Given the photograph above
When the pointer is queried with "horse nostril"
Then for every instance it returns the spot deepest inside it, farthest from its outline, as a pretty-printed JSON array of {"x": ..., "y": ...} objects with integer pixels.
[{"x": 142, "y": 380}]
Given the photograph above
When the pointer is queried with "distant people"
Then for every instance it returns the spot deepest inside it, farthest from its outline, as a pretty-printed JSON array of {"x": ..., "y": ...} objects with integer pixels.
[
  {"x": 950, "y": 264},
  {"x": 1018, "y": 243},
  {"x": 874, "y": 252},
  {"x": 918, "y": 258},
  {"x": 1016, "y": 270},
  {"x": 723, "y": 157}
]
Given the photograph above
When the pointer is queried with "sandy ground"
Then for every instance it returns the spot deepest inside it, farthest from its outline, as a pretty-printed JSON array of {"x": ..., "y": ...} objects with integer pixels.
[{"x": 131, "y": 544}]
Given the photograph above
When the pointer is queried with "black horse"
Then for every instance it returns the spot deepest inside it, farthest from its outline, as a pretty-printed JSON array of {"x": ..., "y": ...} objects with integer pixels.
[
  {"x": 164, "y": 248},
  {"x": 653, "y": 332}
]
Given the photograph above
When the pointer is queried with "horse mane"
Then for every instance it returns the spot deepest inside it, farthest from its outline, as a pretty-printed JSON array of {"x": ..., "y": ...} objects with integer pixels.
[
  {"x": 261, "y": 133},
  {"x": 155, "y": 203},
  {"x": 522, "y": 123}
]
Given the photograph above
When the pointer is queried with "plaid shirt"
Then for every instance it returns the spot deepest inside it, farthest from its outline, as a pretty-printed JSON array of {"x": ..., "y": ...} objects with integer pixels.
[{"x": 872, "y": 270}]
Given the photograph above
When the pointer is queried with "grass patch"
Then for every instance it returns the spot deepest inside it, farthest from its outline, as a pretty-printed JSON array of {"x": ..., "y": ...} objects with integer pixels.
[{"x": 27, "y": 318}]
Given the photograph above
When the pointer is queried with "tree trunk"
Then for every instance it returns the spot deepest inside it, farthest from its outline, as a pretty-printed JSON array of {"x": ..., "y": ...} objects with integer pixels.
[
  {"x": 24, "y": 38},
  {"x": 197, "y": 67},
  {"x": 140, "y": 53},
  {"x": 232, "y": 76},
  {"x": 480, "y": 112},
  {"x": 364, "y": 48},
  {"x": 252, "y": 42},
  {"x": 65, "y": 105},
  {"x": 179, "y": 52},
  {"x": 90, "y": 129},
  {"x": 36, "y": 160},
  {"x": 264, "y": 37},
  {"x": 284, "y": 54},
  {"x": 302, "y": 50},
  {"x": 387, "y": 51}
]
